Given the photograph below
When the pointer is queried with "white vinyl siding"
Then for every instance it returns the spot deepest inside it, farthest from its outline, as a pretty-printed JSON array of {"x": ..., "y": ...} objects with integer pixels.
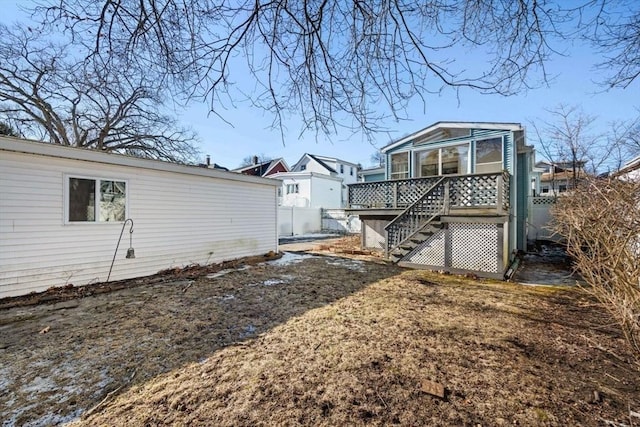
[{"x": 179, "y": 219}]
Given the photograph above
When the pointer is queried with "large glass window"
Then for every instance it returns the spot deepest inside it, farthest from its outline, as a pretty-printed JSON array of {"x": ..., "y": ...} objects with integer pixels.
[
  {"x": 400, "y": 166},
  {"x": 443, "y": 161},
  {"x": 428, "y": 163},
  {"x": 489, "y": 155},
  {"x": 455, "y": 160},
  {"x": 83, "y": 193}
]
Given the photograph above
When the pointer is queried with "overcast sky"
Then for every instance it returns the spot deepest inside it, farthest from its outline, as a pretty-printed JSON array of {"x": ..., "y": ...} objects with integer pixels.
[{"x": 574, "y": 83}]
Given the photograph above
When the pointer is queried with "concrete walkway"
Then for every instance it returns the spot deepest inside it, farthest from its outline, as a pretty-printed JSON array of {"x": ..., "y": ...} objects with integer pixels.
[{"x": 549, "y": 266}]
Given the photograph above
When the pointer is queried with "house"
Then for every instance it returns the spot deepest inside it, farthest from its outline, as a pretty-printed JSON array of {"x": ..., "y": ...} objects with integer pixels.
[
  {"x": 210, "y": 165},
  {"x": 264, "y": 169},
  {"x": 317, "y": 182},
  {"x": 372, "y": 174},
  {"x": 630, "y": 171},
  {"x": 309, "y": 190},
  {"x": 558, "y": 177},
  {"x": 63, "y": 209},
  {"x": 454, "y": 198}
]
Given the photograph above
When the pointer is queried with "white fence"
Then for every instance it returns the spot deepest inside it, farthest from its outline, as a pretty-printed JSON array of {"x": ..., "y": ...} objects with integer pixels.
[
  {"x": 540, "y": 219},
  {"x": 294, "y": 221},
  {"x": 336, "y": 220}
]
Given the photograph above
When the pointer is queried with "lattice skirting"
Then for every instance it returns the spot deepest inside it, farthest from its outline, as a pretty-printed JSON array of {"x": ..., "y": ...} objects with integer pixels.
[
  {"x": 474, "y": 247},
  {"x": 462, "y": 246}
]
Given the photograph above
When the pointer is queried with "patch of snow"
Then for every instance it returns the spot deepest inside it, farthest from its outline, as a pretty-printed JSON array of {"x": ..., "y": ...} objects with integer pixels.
[
  {"x": 11, "y": 422},
  {"x": 39, "y": 385},
  {"x": 351, "y": 264},
  {"x": 227, "y": 271},
  {"x": 248, "y": 331},
  {"x": 55, "y": 419},
  {"x": 4, "y": 378},
  {"x": 290, "y": 258},
  {"x": 272, "y": 282}
]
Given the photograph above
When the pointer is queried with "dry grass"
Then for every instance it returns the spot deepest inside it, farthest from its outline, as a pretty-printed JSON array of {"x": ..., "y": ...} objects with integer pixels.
[{"x": 507, "y": 355}]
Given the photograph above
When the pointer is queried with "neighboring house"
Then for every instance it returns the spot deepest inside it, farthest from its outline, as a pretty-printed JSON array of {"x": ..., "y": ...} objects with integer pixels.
[
  {"x": 309, "y": 190},
  {"x": 455, "y": 198},
  {"x": 558, "y": 177},
  {"x": 372, "y": 174},
  {"x": 210, "y": 165},
  {"x": 264, "y": 169},
  {"x": 317, "y": 181},
  {"x": 62, "y": 210},
  {"x": 630, "y": 171}
]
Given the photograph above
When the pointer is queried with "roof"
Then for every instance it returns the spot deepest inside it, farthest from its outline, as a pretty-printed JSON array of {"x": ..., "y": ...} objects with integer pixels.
[
  {"x": 372, "y": 171},
  {"x": 53, "y": 150},
  {"x": 303, "y": 175},
  {"x": 456, "y": 125},
  {"x": 322, "y": 163},
  {"x": 630, "y": 166},
  {"x": 317, "y": 159},
  {"x": 262, "y": 168}
]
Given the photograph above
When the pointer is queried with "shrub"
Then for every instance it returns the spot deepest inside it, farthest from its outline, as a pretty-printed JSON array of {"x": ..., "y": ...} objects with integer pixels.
[{"x": 600, "y": 221}]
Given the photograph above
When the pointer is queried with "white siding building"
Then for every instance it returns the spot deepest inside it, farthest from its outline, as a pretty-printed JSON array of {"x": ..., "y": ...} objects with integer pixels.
[
  {"x": 324, "y": 172},
  {"x": 309, "y": 190},
  {"x": 53, "y": 233}
]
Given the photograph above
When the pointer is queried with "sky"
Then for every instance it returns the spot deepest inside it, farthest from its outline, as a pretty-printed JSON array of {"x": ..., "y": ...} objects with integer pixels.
[{"x": 574, "y": 83}]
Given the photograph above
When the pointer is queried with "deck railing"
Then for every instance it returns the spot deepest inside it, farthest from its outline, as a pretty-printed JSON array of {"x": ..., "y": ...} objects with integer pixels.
[
  {"x": 432, "y": 204},
  {"x": 466, "y": 191}
]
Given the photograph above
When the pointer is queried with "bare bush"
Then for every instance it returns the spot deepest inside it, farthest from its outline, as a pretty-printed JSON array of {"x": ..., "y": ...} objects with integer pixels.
[{"x": 601, "y": 223}]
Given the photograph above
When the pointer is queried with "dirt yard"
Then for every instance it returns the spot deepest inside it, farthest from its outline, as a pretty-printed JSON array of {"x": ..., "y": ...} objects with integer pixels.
[{"x": 323, "y": 339}]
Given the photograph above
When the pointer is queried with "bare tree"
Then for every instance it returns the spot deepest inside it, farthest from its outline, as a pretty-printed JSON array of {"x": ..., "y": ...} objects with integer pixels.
[
  {"x": 7, "y": 130},
  {"x": 57, "y": 98},
  {"x": 378, "y": 159},
  {"x": 567, "y": 141},
  {"x": 335, "y": 62},
  {"x": 600, "y": 221},
  {"x": 615, "y": 31}
]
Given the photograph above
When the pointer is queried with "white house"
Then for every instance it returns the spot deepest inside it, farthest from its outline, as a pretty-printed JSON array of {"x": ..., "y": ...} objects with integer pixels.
[
  {"x": 63, "y": 209},
  {"x": 309, "y": 190},
  {"x": 321, "y": 189}
]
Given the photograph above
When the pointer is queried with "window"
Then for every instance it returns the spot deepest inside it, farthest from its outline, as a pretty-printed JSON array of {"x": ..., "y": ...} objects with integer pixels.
[
  {"x": 303, "y": 167},
  {"x": 455, "y": 159},
  {"x": 562, "y": 188},
  {"x": 83, "y": 193},
  {"x": 292, "y": 188},
  {"x": 443, "y": 161},
  {"x": 341, "y": 168},
  {"x": 489, "y": 155},
  {"x": 428, "y": 162},
  {"x": 400, "y": 166},
  {"x": 351, "y": 171}
]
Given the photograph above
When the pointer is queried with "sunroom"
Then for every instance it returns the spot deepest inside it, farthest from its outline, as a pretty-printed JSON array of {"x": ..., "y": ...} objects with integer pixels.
[{"x": 454, "y": 199}]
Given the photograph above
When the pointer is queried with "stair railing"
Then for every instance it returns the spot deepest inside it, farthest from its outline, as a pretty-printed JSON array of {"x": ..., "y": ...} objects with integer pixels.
[{"x": 433, "y": 203}]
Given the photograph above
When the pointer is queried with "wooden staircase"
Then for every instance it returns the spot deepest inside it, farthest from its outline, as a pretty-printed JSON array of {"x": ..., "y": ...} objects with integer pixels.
[
  {"x": 418, "y": 222},
  {"x": 410, "y": 244}
]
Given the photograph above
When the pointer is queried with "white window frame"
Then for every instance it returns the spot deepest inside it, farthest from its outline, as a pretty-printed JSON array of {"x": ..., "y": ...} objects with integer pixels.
[
  {"x": 293, "y": 189},
  {"x": 66, "y": 198},
  {"x": 408, "y": 171},
  {"x": 500, "y": 163},
  {"x": 417, "y": 169}
]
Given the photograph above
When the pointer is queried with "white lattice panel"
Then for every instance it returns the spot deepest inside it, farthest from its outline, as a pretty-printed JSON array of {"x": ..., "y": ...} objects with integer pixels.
[
  {"x": 429, "y": 252},
  {"x": 474, "y": 247}
]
